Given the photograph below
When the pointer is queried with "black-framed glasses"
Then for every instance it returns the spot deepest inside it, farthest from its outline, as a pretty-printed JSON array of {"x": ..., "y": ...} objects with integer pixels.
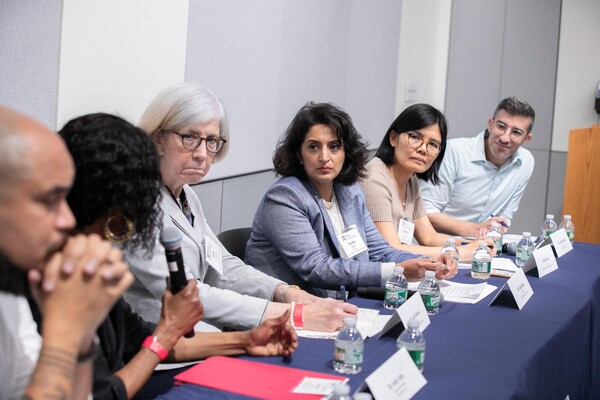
[
  {"x": 416, "y": 141},
  {"x": 191, "y": 141}
]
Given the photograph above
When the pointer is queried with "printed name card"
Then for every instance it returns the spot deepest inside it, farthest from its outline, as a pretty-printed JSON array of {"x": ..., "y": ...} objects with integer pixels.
[
  {"x": 544, "y": 260},
  {"x": 397, "y": 378},
  {"x": 520, "y": 287},
  {"x": 519, "y": 292},
  {"x": 412, "y": 308},
  {"x": 560, "y": 241}
]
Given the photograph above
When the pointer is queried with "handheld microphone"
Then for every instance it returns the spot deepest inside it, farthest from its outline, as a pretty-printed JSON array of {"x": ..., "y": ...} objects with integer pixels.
[
  {"x": 509, "y": 248},
  {"x": 170, "y": 238}
]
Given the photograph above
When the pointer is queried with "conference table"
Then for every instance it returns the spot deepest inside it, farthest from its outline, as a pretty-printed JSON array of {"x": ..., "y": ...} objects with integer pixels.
[{"x": 548, "y": 350}]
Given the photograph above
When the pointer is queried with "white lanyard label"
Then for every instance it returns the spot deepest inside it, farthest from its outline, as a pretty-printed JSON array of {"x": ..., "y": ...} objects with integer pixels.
[
  {"x": 351, "y": 242},
  {"x": 406, "y": 230},
  {"x": 214, "y": 256}
]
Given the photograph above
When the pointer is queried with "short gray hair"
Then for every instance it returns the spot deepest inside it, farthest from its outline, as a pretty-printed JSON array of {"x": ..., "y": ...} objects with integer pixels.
[{"x": 182, "y": 106}]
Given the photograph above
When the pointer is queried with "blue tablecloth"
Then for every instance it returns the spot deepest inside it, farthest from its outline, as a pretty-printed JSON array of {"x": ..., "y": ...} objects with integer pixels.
[{"x": 547, "y": 350}]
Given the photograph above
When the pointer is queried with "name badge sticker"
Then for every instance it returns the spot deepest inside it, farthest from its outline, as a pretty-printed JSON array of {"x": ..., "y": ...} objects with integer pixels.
[
  {"x": 214, "y": 255},
  {"x": 351, "y": 242},
  {"x": 406, "y": 231}
]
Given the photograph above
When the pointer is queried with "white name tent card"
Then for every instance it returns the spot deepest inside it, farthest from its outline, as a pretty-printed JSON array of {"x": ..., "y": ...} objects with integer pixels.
[
  {"x": 545, "y": 261},
  {"x": 519, "y": 292},
  {"x": 397, "y": 378},
  {"x": 412, "y": 308},
  {"x": 533, "y": 262},
  {"x": 560, "y": 241}
]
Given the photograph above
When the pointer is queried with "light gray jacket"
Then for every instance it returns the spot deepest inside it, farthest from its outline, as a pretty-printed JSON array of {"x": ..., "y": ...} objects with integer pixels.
[{"x": 236, "y": 299}]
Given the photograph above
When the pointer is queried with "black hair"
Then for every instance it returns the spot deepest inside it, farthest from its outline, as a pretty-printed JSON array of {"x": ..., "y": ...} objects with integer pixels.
[
  {"x": 116, "y": 169},
  {"x": 287, "y": 157},
  {"x": 415, "y": 117}
]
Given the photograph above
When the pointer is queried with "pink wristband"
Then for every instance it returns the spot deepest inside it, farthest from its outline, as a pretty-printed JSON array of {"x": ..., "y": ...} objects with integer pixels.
[
  {"x": 298, "y": 316},
  {"x": 151, "y": 342}
]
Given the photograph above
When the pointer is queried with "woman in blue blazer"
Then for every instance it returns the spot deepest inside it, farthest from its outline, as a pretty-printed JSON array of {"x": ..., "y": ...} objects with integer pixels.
[{"x": 312, "y": 227}]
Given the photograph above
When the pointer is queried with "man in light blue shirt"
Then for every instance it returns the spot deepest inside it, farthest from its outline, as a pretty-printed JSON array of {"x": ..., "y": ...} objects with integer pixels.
[{"x": 482, "y": 179}]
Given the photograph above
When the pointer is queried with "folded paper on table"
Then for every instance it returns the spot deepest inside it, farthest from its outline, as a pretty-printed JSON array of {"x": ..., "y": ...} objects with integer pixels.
[{"x": 255, "y": 379}]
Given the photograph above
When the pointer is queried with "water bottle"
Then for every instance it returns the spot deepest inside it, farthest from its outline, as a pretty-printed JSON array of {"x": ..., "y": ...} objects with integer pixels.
[
  {"x": 495, "y": 235},
  {"x": 430, "y": 293},
  {"x": 524, "y": 249},
  {"x": 413, "y": 341},
  {"x": 349, "y": 348},
  {"x": 341, "y": 392},
  {"x": 567, "y": 224},
  {"x": 451, "y": 249},
  {"x": 362, "y": 396},
  {"x": 549, "y": 226},
  {"x": 396, "y": 289},
  {"x": 482, "y": 262}
]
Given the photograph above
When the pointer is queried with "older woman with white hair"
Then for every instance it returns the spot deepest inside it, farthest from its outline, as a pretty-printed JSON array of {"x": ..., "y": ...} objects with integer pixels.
[{"x": 189, "y": 126}]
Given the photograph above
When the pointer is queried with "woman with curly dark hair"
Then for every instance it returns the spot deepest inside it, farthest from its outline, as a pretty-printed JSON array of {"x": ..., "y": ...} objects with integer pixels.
[
  {"x": 115, "y": 195},
  {"x": 312, "y": 227}
]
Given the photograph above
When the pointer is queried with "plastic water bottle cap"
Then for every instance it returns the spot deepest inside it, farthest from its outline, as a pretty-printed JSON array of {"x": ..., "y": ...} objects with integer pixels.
[
  {"x": 350, "y": 321},
  {"x": 429, "y": 274},
  {"x": 549, "y": 216},
  {"x": 482, "y": 244},
  {"x": 567, "y": 216},
  {"x": 449, "y": 241},
  {"x": 398, "y": 269},
  {"x": 342, "y": 390},
  {"x": 495, "y": 224},
  {"x": 526, "y": 234}
]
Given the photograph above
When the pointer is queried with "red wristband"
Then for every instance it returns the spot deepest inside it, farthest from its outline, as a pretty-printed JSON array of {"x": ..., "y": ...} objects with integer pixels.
[
  {"x": 298, "y": 316},
  {"x": 151, "y": 342}
]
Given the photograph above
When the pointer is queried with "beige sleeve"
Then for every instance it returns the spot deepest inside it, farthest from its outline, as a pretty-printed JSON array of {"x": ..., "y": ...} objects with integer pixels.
[{"x": 378, "y": 192}]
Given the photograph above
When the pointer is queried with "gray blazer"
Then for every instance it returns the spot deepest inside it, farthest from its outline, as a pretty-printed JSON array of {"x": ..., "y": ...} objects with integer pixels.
[
  {"x": 293, "y": 239},
  {"x": 236, "y": 299}
]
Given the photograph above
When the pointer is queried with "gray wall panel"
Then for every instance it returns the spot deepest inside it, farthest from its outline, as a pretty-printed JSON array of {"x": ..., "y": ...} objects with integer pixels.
[
  {"x": 530, "y": 214},
  {"x": 241, "y": 197},
  {"x": 474, "y": 65},
  {"x": 30, "y": 32},
  {"x": 530, "y": 58},
  {"x": 211, "y": 197},
  {"x": 556, "y": 184}
]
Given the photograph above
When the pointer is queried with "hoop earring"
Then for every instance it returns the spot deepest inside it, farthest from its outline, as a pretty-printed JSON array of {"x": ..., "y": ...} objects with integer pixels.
[{"x": 118, "y": 239}]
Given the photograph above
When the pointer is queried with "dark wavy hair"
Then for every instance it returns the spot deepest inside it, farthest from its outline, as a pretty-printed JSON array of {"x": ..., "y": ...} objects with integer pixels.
[
  {"x": 117, "y": 169},
  {"x": 287, "y": 157},
  {"x": 415, "y": 117}
]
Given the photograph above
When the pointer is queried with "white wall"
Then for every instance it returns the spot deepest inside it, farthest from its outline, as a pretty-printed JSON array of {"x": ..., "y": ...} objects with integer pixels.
[
  {"x": 578, "y": 69},
  {"x": 116, "y": 56},
  {"x": 423, "y": 52}
]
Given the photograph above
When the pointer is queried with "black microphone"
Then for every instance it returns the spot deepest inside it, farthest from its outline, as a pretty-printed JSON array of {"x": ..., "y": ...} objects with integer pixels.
[
  {"x": 170, "y": 238},
  {"x": 509, "y": 248}
]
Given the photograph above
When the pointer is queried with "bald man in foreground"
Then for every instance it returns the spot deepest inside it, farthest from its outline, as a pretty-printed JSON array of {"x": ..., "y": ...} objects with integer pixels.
[{"x": 38, "y": 260}]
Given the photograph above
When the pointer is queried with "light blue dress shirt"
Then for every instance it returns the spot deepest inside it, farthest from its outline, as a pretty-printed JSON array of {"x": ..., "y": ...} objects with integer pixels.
[{"x": 471, "y": 188}]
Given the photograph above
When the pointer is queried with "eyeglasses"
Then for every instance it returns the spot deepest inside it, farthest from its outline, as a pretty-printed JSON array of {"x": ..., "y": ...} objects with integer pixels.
[
  {"x": 191, "y": 141},
  {"x": 514, "y": 132},
  {"x": 416, "y": 141}
]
